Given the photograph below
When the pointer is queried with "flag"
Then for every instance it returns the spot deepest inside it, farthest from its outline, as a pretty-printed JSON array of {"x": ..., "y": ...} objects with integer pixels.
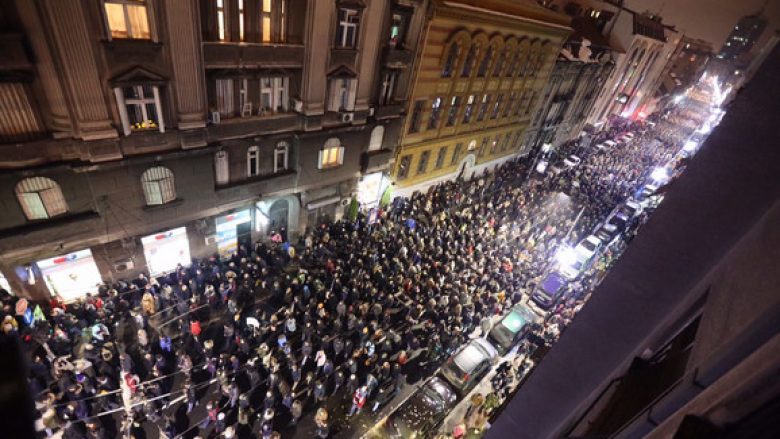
[{"x": 38, "y": 314}]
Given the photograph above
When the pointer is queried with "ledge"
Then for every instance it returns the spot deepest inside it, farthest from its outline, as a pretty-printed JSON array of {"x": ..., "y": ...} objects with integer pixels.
[{"x": 38, "y": 225}]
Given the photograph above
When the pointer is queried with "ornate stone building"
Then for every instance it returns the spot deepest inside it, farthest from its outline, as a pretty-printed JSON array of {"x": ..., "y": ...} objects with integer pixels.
[
  {"x": 482, "y": 68},
  {"x": 135, "y": 134}
]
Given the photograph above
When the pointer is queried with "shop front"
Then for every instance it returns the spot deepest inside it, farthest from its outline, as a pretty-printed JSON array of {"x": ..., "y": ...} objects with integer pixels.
[
  {"x": 233, "y": 230},
  {"x": 370, "y": 189},
  {"x": 165, "y": 250},
  {"x": 71, "y": 276}
]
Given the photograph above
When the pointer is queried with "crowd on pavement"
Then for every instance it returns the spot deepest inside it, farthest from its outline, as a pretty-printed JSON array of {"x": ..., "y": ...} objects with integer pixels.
[{"x": 248, "y": 346}]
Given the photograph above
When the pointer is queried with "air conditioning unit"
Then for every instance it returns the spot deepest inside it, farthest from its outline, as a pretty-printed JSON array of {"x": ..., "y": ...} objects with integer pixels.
[
  {"x": 211, "y": 240},
  {"x": 125, "y": 265},
  {"x": 347, "y": 117},
  {"x": 297, "y": 105},
  {"x": 215, "y": 118}
]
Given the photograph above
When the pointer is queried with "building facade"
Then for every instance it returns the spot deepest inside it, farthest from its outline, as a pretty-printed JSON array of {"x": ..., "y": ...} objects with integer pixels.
[
  {"x": 137, "y": 135},
  {"x": 481, "y": 71},
  {"x": 683, "y": 70},
  {"x": 581, "y": 68}
]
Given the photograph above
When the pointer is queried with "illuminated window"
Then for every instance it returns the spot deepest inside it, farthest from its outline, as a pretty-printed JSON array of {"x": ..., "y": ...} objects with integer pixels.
[
  {"x": 40, "y": 198},
  {"x": 139, "y": 108},
  {"x": 433, "y": 122},
  {"x": 221, "y": 20},
  {"x": 127, "y": 19},
  {"x": 158, "y": 185},
  {"x": 241, "y": 20},
  {"x": 422, "y": 165},
  {"x": 403, "y": 167},
  {"x": 331, "y": 154},
  {"x": 453, "y": 112},
  {"x": 452, "y": 58},
  {"x": 253, "y": 161},
  {"x": 265, "y": 17},
  {"x": 346, "y": 36},
  {"x": 494, "y": 144},
  {"x": 397, "y": 30},
  {"x": 469, "y": 109}
]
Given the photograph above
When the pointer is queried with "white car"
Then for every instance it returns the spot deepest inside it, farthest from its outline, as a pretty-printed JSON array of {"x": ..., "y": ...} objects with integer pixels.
[
  {"x": 606, "y": 145},
  {"x": 588, "y": 247},
  {"x": 631, "y": 208},
  {"x": 579, "y": 259},
  {"x": 572, "y": 161}
]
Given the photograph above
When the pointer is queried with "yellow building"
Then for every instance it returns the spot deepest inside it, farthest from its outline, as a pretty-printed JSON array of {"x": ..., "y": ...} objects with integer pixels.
[{"x": 482, "y": 68}]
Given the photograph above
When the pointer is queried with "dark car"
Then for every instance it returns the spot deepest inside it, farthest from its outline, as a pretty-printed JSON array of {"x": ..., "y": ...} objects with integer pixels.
[
  {"x": 549, "y": 290},
  {"x": 512, "y": 328},
  {"x": 419, "y": 416}
]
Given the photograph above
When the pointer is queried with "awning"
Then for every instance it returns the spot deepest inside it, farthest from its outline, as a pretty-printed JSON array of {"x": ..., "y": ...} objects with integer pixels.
[{"x": 323, "y": 202}]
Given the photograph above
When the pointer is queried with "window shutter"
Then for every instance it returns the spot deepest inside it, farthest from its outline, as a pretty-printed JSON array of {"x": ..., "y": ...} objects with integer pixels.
[
  {"x": 319, "y": 160},
  {"x": 33, "y": 206},
  {"x": 352, "y": 93},
  {"x": 152, "y": 193},
  {"x": 341, "y": 155},
  {"x": 53, "y": 201},
  {"x": 333, "y": 95}
]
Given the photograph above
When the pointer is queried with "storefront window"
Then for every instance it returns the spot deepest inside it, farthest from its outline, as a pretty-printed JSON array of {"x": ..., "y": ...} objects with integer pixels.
[
  {"x": 71, "y": 276},
  {"x": 165, "y": 250}
]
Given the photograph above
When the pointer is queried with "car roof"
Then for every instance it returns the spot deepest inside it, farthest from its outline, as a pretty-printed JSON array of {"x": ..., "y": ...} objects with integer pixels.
[{"x": 469, "y": 357}]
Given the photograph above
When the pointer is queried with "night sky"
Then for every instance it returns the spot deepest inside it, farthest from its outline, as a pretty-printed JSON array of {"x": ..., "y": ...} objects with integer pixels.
[{"x": 710, "y": 20}]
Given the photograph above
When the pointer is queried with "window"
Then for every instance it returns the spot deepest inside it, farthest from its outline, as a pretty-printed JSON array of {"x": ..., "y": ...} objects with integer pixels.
[
  {"x": 433, "y": 122},
  {"x": 512, "y": 101},
  {"x": 483, "y": 107},
  {"x": 453, "y": 111},
  {"x": 241, "y": 20},
  {"x": 221, "y": 21},
  {"x": 468, "y": 64},
  {"x": 18, "y": 119},
  {"x": 388, "y": 87},
  {"x": 377, "y": 136},
  {"x": 505, "y": 143},
  {"x": 469, "y": 109},
  {"x": 513, "y": 65},
  {"x": 440, "y": 157},
  {"x": 331, "y": 154},
  {"x": 422, "y": 165},
  {"x": 403, "y": 167},
  {"x": 139, "y": 108},
  {"x": 342, "y": 94},
  {"x": 346, "y": 36},
  {"x": 244, "y": 104},
  {"x": 281, "y": 154},
  {"x": 414, "y": 121},
  {"x": 221, "y": 167},
  {"x": 531, "y": 101},
  {"x": 274, "y": 94},
  {"x": 225, "y": 104},
  {"x": 40, "y": 198},
  {"x": 270, "y": 30},
  {"x": 158, "y": 186},
  {"x": 482, "y": 147},
  {"x": 497, "y": 106},
  {"x": 127, "y": 19},
  {"x": 494, "y": 145},
  {"x": 253, "y": 161},
  {"x": 449, "y": 62},
  {"x": 499, "y": 67},
  {"x": 485, "y": 64},
  {"x": 397, "y": 28},
  {"x": 282, "y": 21},
  {"x": 456, "y": 153}
]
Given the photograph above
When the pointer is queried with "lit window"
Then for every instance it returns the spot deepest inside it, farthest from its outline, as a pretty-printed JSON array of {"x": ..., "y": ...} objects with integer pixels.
[
  {"x": 221, "y": 20},
  {"x": 403, "y": 167},
  {"x": 281, "y": 154},
  {"x": 453, "y": 112},
  {"x": 433, "y": 122},
  {"x": 221, "y": 167},
  {"x": 158, "y": 186},
  {"x": 40, "y": 198},
  {"x": 139, "y": 108},
  {"x": 127, "y": 19},
  {"x": 397, "y": 30},
  {"x": 422, "y": 165},
  {"x": 494, "y": 145},
  {"x": 282, "y": 37},
  {"x": 377, "y": 137},
  {"x": 274, "y": 94},
  {"x": 469, "y": 109},
  {"x": 265, "y": 17},
  {"x": 253, "y": 161},
  {"x": 241, "y": 20},
  {"x": 346, "y": 36},
  {"x": 342, "y": 94},
  {"x": 225, "y": 104},
  {"x": 331, "y": 154},
  {"x": 414, "y": 121}
]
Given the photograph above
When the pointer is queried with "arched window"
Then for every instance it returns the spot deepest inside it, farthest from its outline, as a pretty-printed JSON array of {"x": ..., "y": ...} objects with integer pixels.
[
  {"x": 331, "y": 154},
  {"x": 221, "y": 167},
  {"x": 281, "y": 154},
  {"x": 499, "y": 67},
  {"x": 158, "y": 185},
  {"x": 253, "y": 161},
  {"x": 451, "y": 60},
  {"x": 40, "y": 198},
  {"x": 485, "y": 64},
  {"x": 469, "y": 62},
  {"x": 377, "y": 135}
]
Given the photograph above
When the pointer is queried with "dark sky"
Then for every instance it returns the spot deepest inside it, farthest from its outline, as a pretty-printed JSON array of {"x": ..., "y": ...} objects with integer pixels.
[{"x": 710, "y": 20}]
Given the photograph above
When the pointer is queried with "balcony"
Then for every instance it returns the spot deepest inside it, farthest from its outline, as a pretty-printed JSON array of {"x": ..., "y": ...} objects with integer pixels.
[
  {"x": 254, "y": 125},
  {"x": 388, "y": 111},
  {"x": 13, "y": 55},
  {"x": 375, "y": 160},
  {"x": 250, "y": 55},
  {"x": 395, "y": 58}
]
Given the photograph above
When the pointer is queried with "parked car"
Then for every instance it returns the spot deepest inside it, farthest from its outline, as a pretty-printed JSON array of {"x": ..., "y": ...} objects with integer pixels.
[
  {"x": 549, "y": 290},
  {"x": 619, "y": 220},
  {"x": 606, "y": 233},
  {"x": 631, "y": 208},
  {"x": 606, "y": 145},
  {"x": 512, "y": 328},
  {"x": 468, "y": 365},
  {"x": 422, "y": 413},
  {"x": 571, "y": 161}
]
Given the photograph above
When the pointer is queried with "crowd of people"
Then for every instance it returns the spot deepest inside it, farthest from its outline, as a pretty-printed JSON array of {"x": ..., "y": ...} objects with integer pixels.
[{"x": 247, "y": 346}]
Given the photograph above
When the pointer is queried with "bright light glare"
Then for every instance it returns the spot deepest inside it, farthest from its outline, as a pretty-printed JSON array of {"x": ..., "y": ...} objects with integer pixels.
[
  {"x": 678, "y": 99},
  {"x": 660, "y": 174},
  {"x": 690, "y": 146},
  {"x": 566, "y": 256}
]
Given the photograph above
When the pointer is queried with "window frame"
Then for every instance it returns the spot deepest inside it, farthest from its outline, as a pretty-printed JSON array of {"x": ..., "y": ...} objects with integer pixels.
[
  {"x": 441, "y": 155},
  {"x": 331, "y": 149},
  {"x": 146, "y": 4},
  {"x": 221, "y": 167},
  {"x": 165, "y": 196},
  {"x": 389, "y": 81},
  {"x": 344, "y": 24},
  {"x": 375, "y": 144},
  {"x": 46, "y": 198},
  {"x": 253, "y": 154},
  {"x": 122, "y": 104},
  {"x": 342, "y": 94},
  {"x": 278, "y": 91},
  {"x": 435, "y": 116},
  {"x": 456, "y": 153},
  {"x": 282, "y": 148},
  {"x": 468, "y": 109},
  {"x": 404, "y": 165},
  {"x": 415, "y": 119},
  {"x": 223, "y": 32},
  {"x": 422, "y": 163}
]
